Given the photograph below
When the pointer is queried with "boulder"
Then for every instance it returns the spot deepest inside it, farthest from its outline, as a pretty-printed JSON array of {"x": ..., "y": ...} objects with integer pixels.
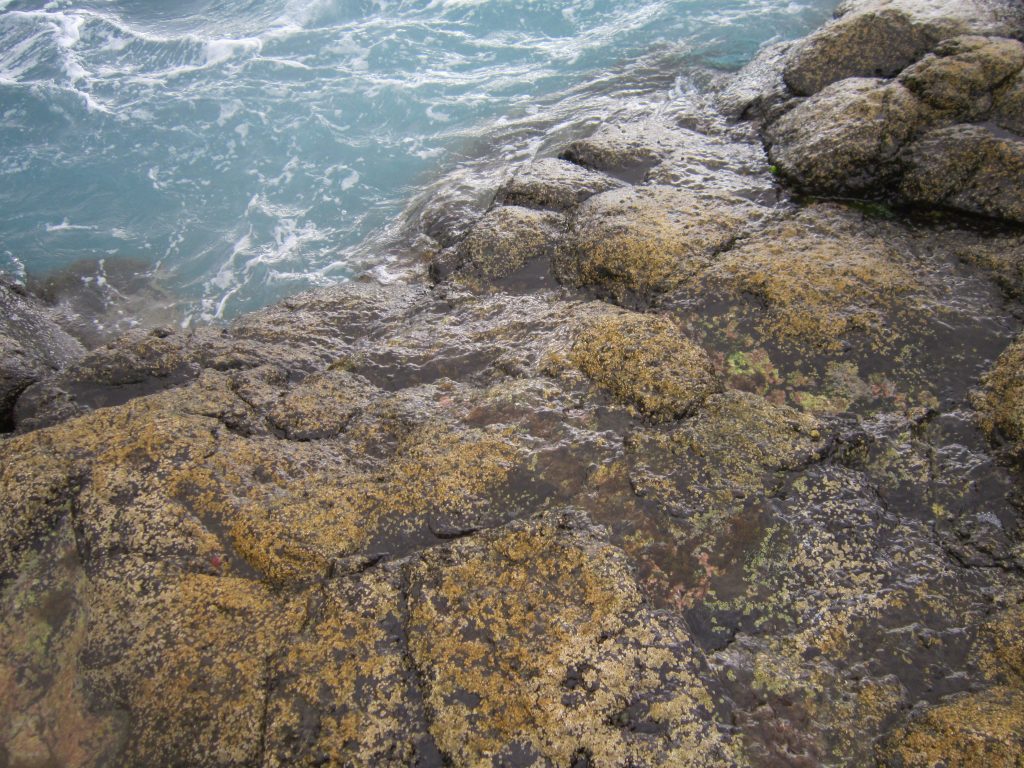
[
  {"x": 502, "y": 242},
  {"x": 846, "y": 139},
  {"x": 635, "y": 243},
  {"x": 970, "y": 168},
  {"x": 879, "y": 38},
  {"x": 962, "y": 73},
  {"x": 1008, "y": 105}
]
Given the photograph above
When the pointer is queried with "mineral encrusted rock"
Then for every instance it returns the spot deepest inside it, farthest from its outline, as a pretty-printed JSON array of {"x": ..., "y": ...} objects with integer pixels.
[{"x": 660, "y": 468}]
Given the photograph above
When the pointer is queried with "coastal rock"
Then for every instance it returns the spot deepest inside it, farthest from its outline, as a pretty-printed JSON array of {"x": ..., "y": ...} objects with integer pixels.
[
  {"x": 1001, "y": 256},
  {"x": 645, "y": 361},
  {"x": 857, "y": 44},
  {"x": 300, "y": 335},
  {"x": 820, "y": 280},
  {"x": 633, "y": 244},
  {"x": 626, "y": 151},
  {"x": 846, "y": 139},
  {"x": 612, "y": 683},
  {"x": 962, "y": 73},
  {"x": 667, "y": 151},
  {"x": 970, "y": 729},
  {"x": 32, "y": 345},
  {"x": 1008, "y": 105},
  {"x": 878, "y": 38},
  {"x": 969, "y": 168},
  {"x": 165, "y": 570},
  {"x": 503, "y": 241},
  {"x": 553, "y": 184},
  {"x": 758, "y": 91},
  {"x": 1001, "y": 404}
]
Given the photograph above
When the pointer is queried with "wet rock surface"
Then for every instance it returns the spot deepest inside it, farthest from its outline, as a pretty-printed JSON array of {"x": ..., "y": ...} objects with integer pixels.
[
  {"x": 656, "y": 467},
  {"x": 32, "y": 345}
]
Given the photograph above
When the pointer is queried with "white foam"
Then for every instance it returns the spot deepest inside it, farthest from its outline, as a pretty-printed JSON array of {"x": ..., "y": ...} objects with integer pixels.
[
  {"x": 434, "y": 114},
  {"x": 65, "y": 226},
  {"x": 219, "y": 51},
  {"x": 350, "y": 181}
]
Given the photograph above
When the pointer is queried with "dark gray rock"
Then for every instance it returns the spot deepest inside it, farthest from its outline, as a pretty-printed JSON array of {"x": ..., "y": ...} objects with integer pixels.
[{"x": 32, "y": 345}]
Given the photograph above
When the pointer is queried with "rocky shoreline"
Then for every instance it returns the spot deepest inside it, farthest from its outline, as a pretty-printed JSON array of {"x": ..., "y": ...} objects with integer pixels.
[{"x": 700, "y": 447}]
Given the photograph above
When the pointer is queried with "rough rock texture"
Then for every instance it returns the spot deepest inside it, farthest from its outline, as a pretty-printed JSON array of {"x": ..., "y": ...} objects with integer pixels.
[
  {"x": 969, "y": 168},
  {"x": 771, "y": 519},
  {"x": 1008, "y": 105},
  {"x": 846, "y": 139},
  {"x": 757, "y": 91},
  {"x": 645, "y": 360},
  {"x": 636, "y": 243},
  {"x": 1002, "y": 403},
  {"x": 893, "y": 139},
  {"x": 878, "y": 38},
  {"x": 553, "y": 184},
  {"x": 501, "y": 243},
  {"x": 32, "y": 345},
  {"x": 962, "y": 74}
]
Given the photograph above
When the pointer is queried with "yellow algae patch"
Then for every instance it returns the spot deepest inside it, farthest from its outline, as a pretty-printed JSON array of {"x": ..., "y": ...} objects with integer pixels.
[
  {"x": 194, "y": 667},
  {"x": 528, "y": 641},
  {"x": 976, "y": 729},
  {"x": 640, "y": 241},
  {"x": 820, "y": 287},
  {"x": 645, "y": 361},
  {"x": 295, "y": 528},
  {"x": 1002, "y": 402},
  {"x": 346, "y": 693}
]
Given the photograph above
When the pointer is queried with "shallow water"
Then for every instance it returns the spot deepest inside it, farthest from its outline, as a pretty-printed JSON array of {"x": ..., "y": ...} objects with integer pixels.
[{"x": 249, "y": 149}]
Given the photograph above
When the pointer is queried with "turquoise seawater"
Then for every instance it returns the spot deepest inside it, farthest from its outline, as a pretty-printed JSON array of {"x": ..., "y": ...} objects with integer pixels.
[{"x": 246, "y": 149}]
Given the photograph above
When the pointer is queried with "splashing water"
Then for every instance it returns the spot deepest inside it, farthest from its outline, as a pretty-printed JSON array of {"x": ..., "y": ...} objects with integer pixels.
[{"x": 252, "y": 148}]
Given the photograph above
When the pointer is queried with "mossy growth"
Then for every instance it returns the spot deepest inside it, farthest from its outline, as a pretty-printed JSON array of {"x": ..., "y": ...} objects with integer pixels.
[
  {"x": 820, "y": 289},
  {"x": 1001, "y": 405},
  {"x": 506, "y": 238},
  {"x": 645, "y": 361},
  {"x": 975, "y": 729},
  {"x": 532, "y": 641},
  {"x": 634, "y": 244}
]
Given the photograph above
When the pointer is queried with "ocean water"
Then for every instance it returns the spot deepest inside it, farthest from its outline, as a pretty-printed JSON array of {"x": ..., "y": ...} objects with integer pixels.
[{"x": 241, "y": 150}]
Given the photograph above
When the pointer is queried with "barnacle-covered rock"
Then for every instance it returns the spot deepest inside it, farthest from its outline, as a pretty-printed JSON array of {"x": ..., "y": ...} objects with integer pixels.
[
  {"x": 635, "y": 243},
  {"x": 645, "y": 361}
]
